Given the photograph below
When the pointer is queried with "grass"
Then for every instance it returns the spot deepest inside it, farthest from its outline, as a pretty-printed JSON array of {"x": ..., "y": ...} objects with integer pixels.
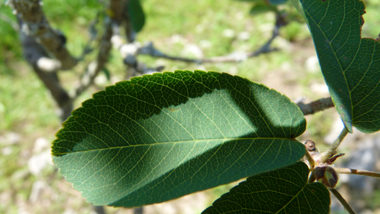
[{"x": 27, "y": 109}]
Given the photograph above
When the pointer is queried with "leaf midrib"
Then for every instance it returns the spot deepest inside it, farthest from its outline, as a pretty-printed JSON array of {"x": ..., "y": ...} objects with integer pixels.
[
  {"x": 295, "y": 196},
  {"x": 174, "y": 142}
]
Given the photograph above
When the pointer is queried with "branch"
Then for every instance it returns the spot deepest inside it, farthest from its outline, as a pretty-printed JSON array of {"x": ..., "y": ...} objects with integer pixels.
[
  {"x": 139, "y": 67},
  {"x": 95, "y": 67},
  {"x": 34, "y": 53},
  {"x": 127, "y": 24},
  {"x": 315, "y": 106},
  {"x": 117, "y": 8},
  {"x": 342, "y": 201},
  {"x": 356, "y": 172},
  {"x": 150, "y": 50},
  {"x": 129, "y": 52},
  {"x": 93, "y": 32},
  {"x": 325, "y": 156},
  {"x": 35, "y": 24}
]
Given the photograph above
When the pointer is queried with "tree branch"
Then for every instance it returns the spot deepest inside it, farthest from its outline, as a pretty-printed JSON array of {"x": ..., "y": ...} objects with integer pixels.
[
  {"x": 315, "y": 106},
  {"x": 342, "y": 201},
  {"x": 33, "y": 53},
  {"x": 356, "y": 172},
  {"x": 95, "y": 67},
  {"x": 93, "y": 32},
  {"x": 36, "y": 25},
  {"x": 149, "y": 49},
  {"x": 325, "y": 156},
  {"x": 129, "y": 52}
]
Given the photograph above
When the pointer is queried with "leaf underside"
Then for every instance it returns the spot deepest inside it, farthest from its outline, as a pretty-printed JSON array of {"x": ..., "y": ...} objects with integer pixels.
[
  {"x": 280, "y": 191},
  {"x": 350, "y": 64},
  {"x": 162, "y": 136}
]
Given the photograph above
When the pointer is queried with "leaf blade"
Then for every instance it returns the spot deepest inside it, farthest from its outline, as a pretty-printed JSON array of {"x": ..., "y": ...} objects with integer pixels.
[
  {"x": 349, "y": 63},
  {"x": 182, "y": 132},
  {"x": 137, "y": 15},
  {"x": 279, "y": 191}
]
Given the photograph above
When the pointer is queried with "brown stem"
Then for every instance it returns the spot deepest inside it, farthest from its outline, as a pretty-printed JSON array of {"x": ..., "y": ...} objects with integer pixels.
[
  {"x": 95, "y": 67},
  {"x": 357, "y": 172},
  {"x": 310, "y": 160},
  {"x": 342, "y": 201},
  {"x": 311, "y": 177},
  {"x": 325, "y": 156},
  {"x": 315, "y": 106}
]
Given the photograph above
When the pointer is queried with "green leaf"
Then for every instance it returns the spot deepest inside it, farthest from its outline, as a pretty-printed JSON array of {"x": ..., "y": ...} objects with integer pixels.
[
  {"x": 162, "y": 136},
  {"x": 350, "y": 64},
  {"x": 277, "y": 2},
  {"x": 137, "y": 15},
  {"x": 107, "y": 73},
  {"x": 274, "y": 2},
  {"x": 297, "y": 4},
  {"x": 251, "y": 0},
  {"x": 280, "y": 191},
  {"x": 261, "y": 8}
]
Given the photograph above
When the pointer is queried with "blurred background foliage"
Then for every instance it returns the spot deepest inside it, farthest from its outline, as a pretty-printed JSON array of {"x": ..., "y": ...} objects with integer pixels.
[{"x": 196, "y": 29}]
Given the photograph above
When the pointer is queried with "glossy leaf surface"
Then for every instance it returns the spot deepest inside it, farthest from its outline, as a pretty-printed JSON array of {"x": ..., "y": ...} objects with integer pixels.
[
  {"x": 280, "y": 191},
  {"x": 165, "y": 135},
  {"x": 350, "y": 64}
]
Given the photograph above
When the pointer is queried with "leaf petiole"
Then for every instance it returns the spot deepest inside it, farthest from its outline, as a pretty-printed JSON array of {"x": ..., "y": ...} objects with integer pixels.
[
  {"x": 342, "y": 201},
  {"x": 325, "y": 156},
  {"x": 357, "y": 172}
]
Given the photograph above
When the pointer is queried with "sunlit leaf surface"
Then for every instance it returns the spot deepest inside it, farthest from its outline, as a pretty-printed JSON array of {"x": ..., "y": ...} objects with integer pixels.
[
  {"x": 165, "y": 135},
  {"x": 350, "y": 64}
]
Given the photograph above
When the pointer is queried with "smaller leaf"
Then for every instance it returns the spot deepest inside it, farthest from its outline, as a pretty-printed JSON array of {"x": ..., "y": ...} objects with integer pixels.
[
  {"x": 277, "y": 2},
  {"x": 136, "y": 14},
  {"x": 261, "y": 8},
  {"x": 350, "y": 63},
  {"x": 107, "y": 73},
  {"x": 251, "y": 0},
  {"x": 280, "y": 191}
]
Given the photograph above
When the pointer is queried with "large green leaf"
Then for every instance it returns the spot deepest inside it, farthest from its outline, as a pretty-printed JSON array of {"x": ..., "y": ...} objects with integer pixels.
[
  {"x": 136, "y": 14},
  {"x": 350, "y": 64},
  {"x": 165, "y": 135},
  {"x": 281, "y": 191}
]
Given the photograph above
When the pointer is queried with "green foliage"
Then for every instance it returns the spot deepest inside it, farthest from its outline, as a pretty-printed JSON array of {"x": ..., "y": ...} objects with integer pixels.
[
  {"x": 281, "y": 191},
  {"x": 261, "y": 7},
  {"x": 277, "y": 2},
  {"x": 350, "y": 64},
  {"x": 9, "y": 49},
  {"x": 175, "y": 22},
  {"x": 136, "y": 14},
  {"x": 107, "y": 73},
  {"x": 274, "y": 2},
  {"x": 162, "y": 136}
]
